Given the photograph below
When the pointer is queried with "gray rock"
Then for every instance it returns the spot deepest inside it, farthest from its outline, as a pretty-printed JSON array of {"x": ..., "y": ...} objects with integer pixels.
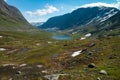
[
  {"x": 18, "y": 72},
  {"x": 91, "y": 65},
  {"x": 90, "y": 53},
  {"x": 54, "y": 76},
  {"x": 98, "y": 78},
  {"x": 103, "y": 72},
  {"x": 91, "y": 45}
]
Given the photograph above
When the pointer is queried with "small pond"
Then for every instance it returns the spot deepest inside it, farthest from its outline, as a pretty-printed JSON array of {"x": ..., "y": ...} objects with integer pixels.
[{"x": 62, "y": 37}]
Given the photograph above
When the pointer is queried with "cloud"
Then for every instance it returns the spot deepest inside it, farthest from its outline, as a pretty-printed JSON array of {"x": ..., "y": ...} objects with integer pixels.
[
  {"x": 100, "y": 4},
  {"x": 5, "y": 0},
  {"x": 40, "y": 12},
  {"x": 117, "y": 5}
]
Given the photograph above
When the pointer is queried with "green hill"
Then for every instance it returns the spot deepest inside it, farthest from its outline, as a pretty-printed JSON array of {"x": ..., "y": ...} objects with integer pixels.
[{"x": 11, "y": 18}]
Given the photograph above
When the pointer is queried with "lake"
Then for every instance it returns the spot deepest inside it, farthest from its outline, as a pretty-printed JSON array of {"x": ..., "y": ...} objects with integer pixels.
[{"x": 62, "y": 37}]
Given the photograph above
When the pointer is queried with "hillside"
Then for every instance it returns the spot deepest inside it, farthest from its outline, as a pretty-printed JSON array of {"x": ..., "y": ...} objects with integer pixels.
[
  {"x": 11, "y": 18},
  {"x": 95, "y": 20},
  {"x": 36, "y": 55}
]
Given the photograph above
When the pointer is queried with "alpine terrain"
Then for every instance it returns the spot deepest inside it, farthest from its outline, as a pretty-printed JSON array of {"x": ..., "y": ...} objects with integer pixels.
[{"x": 81, "y": 45}]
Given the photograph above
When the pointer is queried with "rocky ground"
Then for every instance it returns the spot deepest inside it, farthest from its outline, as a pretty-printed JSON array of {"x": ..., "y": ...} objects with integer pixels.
[{"x": 35, "y": 58}]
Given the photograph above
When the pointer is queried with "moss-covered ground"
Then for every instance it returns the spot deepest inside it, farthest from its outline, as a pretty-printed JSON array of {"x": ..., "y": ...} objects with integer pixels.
[{"x": 37, "y": 48}]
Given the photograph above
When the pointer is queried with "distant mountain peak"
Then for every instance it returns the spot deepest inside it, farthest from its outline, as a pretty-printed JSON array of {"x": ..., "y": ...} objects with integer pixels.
[{"x": 86, "y": 20}]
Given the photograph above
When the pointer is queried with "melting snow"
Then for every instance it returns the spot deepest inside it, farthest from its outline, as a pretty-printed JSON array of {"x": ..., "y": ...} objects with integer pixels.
[
  {"x": 22, "y": 65},
  {"x": 107, "y": 17},
  {"x": 1, "y": 36},
  {"x": 74, "y": 32},
  {"x": 76, "y": 53},
  {"x": 82, "y": 38},
  {"x": 49, "y": 42},
  {"x": 2, "y": 49},
  {"x": 88, "y": 35}
]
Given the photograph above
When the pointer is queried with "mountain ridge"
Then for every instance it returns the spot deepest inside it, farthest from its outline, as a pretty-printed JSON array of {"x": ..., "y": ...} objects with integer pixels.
[
  {"x": 11, "y": 18},
  {"x": 76, "y": 18},
  {"x": 96, "y": 20}
]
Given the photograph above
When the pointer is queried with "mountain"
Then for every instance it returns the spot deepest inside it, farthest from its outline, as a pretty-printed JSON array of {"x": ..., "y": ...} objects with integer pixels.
[
  {"x": 37, "y": 23},
  {"x": 11, "y": 18},
  {"x": 86, "y": 20}
]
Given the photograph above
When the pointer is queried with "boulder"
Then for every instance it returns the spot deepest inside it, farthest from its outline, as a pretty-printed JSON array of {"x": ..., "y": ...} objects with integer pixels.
[
  {"x": 103, "y": 72},
  {"x": 18, "y": 72},
  {"x": 98, "y": 78},
  {"x": 39, "y": 66},
  {"x": 91, "y": 65}
]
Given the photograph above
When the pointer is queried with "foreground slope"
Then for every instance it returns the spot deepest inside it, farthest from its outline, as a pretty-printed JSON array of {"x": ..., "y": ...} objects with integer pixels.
[{"x": 29, "y": 57}]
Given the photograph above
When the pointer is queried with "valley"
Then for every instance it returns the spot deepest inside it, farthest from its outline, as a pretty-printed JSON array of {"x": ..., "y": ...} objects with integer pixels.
[
  {"x": 80, "y": 48},
  {"x": 32, "y": 58}
]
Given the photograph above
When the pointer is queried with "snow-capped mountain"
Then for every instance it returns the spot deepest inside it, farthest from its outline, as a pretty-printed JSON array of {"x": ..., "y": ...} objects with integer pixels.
[{"x": 84, "y": 20}]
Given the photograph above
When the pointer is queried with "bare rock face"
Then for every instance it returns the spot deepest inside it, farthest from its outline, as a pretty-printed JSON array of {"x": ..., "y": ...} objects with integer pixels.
[{"x": 11, "y": 17}]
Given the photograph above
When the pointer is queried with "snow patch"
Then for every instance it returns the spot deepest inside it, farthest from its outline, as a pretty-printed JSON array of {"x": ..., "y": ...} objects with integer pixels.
[
  {"x": 82, "y": 38},
  {"x": 74, "y": 32},
  {"x": 76, "y": 53},
  {"x": 22, "y": 65},
  {"x": 88, "y": 35},
  {"x": 1, "y": 36},
  {"x": 107, "y": 17},
  {"x": 2, "y": 49},
  {"x": 49, "y": 42}
]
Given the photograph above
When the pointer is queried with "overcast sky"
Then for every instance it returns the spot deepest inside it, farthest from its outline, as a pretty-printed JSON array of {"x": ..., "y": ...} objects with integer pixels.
[{"x": 41, "y": 10}]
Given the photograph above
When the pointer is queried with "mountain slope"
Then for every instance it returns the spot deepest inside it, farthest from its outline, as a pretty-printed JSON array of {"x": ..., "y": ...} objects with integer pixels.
[
  {"x": 11, "y": 18},
  {"x": 96, "y": 20}
]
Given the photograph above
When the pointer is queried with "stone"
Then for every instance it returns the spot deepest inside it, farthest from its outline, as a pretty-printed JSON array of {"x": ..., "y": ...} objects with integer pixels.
[
  {"x": 18, "y": 72},
  {"x": 91, "y": 45},
  {"x": 90, "y": 53},
  {"x": 65, "y": 45},
  {"x": 39, "y": 66},
  {"x": 38, "y": 44},
  {"x": 83, "y": 50},
  {"x": 11, "y": 79},
  {"x": 22, "y": 65},
  {"x": 44, "y": 71},
  {"x": 91, "y": 65},
  {"x": 98, "y": 78},
  {"x": 103, "y": 72}
]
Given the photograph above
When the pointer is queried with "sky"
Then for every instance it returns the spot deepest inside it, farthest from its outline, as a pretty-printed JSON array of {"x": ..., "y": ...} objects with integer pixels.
[{"x": 42, "y": 10}]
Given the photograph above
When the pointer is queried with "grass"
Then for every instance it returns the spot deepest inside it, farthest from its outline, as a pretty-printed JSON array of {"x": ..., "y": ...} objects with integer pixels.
[{"x": 63, "y": 63}]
